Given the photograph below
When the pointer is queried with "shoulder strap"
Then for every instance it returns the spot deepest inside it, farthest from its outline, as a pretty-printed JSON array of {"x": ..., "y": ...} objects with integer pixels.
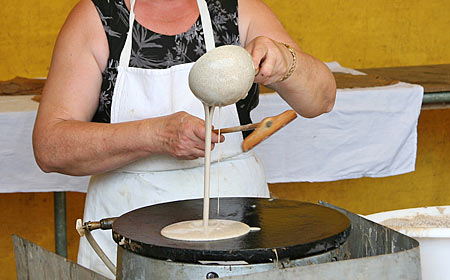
[
  {"x": 126, "y": 51},
  {"x": 207, "y": 26}
]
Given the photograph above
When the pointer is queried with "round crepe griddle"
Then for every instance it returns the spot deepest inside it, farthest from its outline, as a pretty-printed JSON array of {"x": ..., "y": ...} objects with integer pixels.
[{"x": 294, "y": 229}]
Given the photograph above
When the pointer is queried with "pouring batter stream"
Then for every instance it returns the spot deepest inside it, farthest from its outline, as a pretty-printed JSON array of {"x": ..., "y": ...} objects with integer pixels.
[{"x": 206, "y": 229}]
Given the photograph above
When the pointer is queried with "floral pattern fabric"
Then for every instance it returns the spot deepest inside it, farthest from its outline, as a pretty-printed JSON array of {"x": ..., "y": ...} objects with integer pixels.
[{"x": 151, "y": 50}]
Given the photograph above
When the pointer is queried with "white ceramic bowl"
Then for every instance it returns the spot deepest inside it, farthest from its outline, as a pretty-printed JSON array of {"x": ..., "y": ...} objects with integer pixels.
[{"x": 428, "y": 225}]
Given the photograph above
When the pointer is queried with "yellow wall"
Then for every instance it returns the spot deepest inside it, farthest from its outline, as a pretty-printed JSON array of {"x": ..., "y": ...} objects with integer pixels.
[
  {"x": 376, "y": 33},
  {"x": 358, "y": 34},
  {"x": 28, "y": 33}
]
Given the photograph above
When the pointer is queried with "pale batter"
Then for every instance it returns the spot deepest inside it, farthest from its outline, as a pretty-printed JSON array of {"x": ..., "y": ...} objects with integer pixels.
[{"x": 194, "y": 230}]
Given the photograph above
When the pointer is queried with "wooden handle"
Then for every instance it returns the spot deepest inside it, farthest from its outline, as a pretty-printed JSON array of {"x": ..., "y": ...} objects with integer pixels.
[
  {"x": 236, "y": 128},
  {"x": 267, "y": 127}
]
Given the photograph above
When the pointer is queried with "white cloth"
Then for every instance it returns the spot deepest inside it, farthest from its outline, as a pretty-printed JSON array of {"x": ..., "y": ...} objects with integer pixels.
[
  {"x": 18, "y": 169},
  {"x": 149, "y": 93},
  {"x": 375, "y": 125},
  {"x": 371, "y": 132}
]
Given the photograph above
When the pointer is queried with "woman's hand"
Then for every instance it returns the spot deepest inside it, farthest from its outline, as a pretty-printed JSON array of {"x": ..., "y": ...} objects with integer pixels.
[
  {"x": 271, "y": 58},
  {"x": 183, "y": 136}
]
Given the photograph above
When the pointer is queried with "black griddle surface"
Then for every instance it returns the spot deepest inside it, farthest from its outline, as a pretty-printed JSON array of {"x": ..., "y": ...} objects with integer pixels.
[{"x": 295, "y": 229}]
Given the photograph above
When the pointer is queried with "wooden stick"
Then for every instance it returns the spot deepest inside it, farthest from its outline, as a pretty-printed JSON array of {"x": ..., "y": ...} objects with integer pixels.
[{"x": 237, "y": 128}]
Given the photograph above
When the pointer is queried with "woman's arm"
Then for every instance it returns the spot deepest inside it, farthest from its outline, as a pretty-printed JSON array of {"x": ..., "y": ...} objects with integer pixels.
[
  {"x": 311, "y": 89},
  {"x": 65, "y": 140}
]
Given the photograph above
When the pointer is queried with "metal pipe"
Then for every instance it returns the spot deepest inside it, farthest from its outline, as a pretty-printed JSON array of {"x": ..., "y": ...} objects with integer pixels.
[
  {"x": 103, "y": 224},
  {"x": 60, "y": 223},
  {"x": 437, "y": 97},
  {"x": 85, "y": 230},
  {"x": 109, "y": 264}
]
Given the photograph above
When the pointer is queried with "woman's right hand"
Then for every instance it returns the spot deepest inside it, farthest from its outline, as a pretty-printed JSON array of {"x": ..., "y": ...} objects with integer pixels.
[{"x": 182, "y": 136}]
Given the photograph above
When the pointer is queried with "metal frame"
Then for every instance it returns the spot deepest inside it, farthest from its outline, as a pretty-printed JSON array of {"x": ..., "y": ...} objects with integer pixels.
[
  {"x": 436, "y": 97},
  {"x": 59, "y": 201}
]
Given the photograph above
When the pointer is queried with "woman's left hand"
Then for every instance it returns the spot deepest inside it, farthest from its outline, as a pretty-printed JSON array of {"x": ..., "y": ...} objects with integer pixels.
[{"x": 271, "y": 58}]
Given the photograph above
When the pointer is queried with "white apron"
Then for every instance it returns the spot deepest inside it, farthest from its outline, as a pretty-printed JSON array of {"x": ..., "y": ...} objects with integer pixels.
[{"x": 146, "y": 93}]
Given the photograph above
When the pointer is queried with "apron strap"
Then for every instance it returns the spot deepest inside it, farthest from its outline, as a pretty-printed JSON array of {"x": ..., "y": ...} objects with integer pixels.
[
  {"x": 126, "y": 51},
  {"x": 208, "y": 33},
  {"x": 207, "y": 26}
]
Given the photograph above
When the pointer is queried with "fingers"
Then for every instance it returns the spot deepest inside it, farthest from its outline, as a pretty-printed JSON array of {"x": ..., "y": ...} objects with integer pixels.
[
  {"x": 267, "y": 73},
  {"x": 269, "y": 60},
  {"x": 200, "y": 133},
  {"x": 258, "y": 53},
  {"x": 222, "y": 138},
  {"x": 215, "y": 138},
  {"x": 186, "y": 136}
]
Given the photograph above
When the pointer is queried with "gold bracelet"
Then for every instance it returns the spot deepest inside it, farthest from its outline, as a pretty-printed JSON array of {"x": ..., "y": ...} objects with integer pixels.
[{"x": 294, "y": 62}]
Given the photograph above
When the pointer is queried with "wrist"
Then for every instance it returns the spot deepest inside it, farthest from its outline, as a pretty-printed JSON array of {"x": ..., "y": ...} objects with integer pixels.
[
  {"x": 293, "y": 65},
  {"x": 151, "y": 139}
]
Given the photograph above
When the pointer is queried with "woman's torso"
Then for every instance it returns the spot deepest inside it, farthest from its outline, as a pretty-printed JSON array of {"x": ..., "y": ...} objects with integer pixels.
[{"x": 151, "y": 50}]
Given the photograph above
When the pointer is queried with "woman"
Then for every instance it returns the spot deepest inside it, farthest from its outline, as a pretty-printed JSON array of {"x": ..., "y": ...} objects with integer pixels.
[{"x": 117, "y": 105}]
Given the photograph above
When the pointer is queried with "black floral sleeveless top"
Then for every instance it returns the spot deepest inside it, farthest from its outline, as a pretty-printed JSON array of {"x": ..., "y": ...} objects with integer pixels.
[{"x": 152, "y": 50}]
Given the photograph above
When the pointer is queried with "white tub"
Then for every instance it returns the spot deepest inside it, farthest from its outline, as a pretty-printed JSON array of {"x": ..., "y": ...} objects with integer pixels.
[{"x": 431, "y": 227}]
